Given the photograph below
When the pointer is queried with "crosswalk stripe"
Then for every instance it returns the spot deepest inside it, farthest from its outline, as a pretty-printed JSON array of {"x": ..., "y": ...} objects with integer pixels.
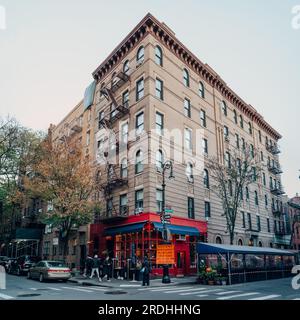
[
  {"x": 169, "y": 289},
  {"x": 227, "y": 292},
  {"x": 271, "y": 296},
  {"x": 157, "y": 288},
  {"x": 33, "y": 289},
  {"x": 238, "y": 295},
  {"x": 183, "y": 290},
  {"x": 5, "y": 297},
  {"x": 296, "y": 299},
  {"x": 55, "y": 289},
  {"x": 97, "y": 289},
  {"x": 203, "y": 291},
  {"x": 77, "y": 289}
]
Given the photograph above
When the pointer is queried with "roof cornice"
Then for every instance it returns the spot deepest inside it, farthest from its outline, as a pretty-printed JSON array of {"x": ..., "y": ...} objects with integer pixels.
[{"x": 150, "y": 25}]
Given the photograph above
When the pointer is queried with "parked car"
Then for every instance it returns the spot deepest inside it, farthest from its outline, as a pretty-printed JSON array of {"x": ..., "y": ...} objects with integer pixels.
[
  {"x": 49, "y": 270},
  {"x": 22, "y": 264}
]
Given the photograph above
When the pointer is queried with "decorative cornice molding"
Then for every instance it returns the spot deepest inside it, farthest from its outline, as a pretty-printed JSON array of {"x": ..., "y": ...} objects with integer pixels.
[{"x": 150, "y": 25}]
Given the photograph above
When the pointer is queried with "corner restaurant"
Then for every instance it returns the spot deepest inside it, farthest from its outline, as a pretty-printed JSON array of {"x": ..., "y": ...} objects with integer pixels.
[{"x": 140, "y": 235}]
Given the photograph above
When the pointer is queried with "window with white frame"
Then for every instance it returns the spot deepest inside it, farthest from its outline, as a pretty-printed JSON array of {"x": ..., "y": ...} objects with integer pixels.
[
  {"x": 186, "y": 78},
  {"x": 159, "y": 122},
  {"x": 140, "y": 55},
  {"x": 139, "y": 166},
  {"x": 158, "y": 56},
  {"x": 159, "y": 160},
  {"x": 188, "y": 139},
  {"x": 124, "y": 168},
  {"x": 187, "y": 107},
  {"x": 203, "y": 118},
  {"x": 139, "y": 89},
  {"x": 139, "y": 123}
]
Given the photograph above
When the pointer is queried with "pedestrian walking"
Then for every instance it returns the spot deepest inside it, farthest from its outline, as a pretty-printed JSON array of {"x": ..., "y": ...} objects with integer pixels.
[
  {"x": 107, "y": 268},
  {"x": 88, "y": 266},
  {"x": 146, "y": 271},
  {"x": 95, "y": 268},
  {"x": 138, "y": 268}
]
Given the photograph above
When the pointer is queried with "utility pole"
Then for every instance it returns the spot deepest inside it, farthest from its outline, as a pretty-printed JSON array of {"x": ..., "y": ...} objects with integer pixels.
[{"x": 165, "y": 218}]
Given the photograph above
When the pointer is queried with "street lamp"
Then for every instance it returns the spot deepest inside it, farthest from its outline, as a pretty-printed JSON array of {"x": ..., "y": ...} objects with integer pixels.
[{"x": 167, "y": 165}]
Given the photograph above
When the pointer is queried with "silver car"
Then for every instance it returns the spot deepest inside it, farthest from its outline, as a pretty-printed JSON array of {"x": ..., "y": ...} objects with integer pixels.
[{"x": 49, "y": 270}]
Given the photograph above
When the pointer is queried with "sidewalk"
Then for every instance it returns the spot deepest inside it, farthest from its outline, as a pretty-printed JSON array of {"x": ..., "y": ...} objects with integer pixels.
[{"x": 115, "y": 283}]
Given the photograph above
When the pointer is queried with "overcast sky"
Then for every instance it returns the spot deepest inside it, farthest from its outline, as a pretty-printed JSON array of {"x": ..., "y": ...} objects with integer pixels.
[{"x": 50, "y": 48}]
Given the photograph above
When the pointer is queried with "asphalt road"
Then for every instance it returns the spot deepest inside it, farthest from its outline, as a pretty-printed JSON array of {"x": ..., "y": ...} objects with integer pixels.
[{"x": 20, "y": 288}]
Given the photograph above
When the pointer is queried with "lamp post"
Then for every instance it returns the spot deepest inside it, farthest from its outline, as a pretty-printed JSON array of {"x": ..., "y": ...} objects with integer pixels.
[{"x": 167, "y": 165}]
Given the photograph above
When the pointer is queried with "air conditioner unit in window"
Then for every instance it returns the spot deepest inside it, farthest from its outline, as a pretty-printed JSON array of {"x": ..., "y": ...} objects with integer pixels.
[
  {"x": 138, "y": 210},
  {"x": 181, "y": 237}
]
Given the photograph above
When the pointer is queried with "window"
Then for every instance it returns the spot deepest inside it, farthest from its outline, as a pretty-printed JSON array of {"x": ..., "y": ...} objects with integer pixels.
[
  {"x": 139, "y": 123},
  {"x": 187, "y": 108},
  {"x": 139, "y": 167},
  {"x": 191, "y": 208},
  {"x": 123, "y": 204},
  {"x": 125, "y": 99},
  {"x": 261, "y": 156},
  {"x": 159, "y": 160},
  {"x": 188, "y": 139},
  {"x": 113, "y": 111},
  {"x": 243, "y": 144},
  {"x": 189, "y": 172},
  {"x": 252, "y": 151},
  {"x": 268, "y": 225},
  {"x": 109, "y": 207},
  {"x": 230, "y": 188},
  {"x": 140, "y": 55},
  {"x": 124, "y": 168},
  {"x": 250, "y": 128},
  {"x": 264, "y": 179},
  {"x": 158, "y": 56},
  {"x": 266, "y": 201},
  {"x": 226, "y": 133},
  {"x": 258, "y": 223},
  {"x": 88, "y": 137},
  {"x": 254, "y": 175},
  {"x": 126, "y": 67},
  {"x": 101, "y": 117},
  {"x": 159, "y": 89},
  {"x": 247, "y": 194},
  {"x": 124, "y": 133},
  {"x": 249, "y": 221},
  {"x": 227, "y": 159},
  {"x": 256, "y": 198},
  {"x": 259, "y": 136},
  {"x": 205, "y": 146},
  {"x": 139, "y": 200},
  {"x": 205, "y": 178},
  {"x": 218, "y": 240},
  {"x": 240, "y": 242},
  {"x": 203, "y": 118},
  {"x": 201, "y": 90},
  {"x": 159, "y": 120},
  {"x": 159, "y": 202},
  {"x": 241, "y": 121},
  {"x": 235, "y": 117},
  {"x": 224, "y": 108},
  {"x": 239, "y": 165},
  {"x": 243, "y": 219},
  {"x": 186, "y": 78},
  {"x": 237, "y": 141},
  {"x": 207, "y": 209},
  {"x": 139, "y": 89},
  {"x": 100, "y": 145}
]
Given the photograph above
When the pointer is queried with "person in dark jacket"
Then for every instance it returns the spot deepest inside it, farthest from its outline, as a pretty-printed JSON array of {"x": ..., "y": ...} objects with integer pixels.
[
  {"x": 146, "y": 271},
  {"x": 95, "y": 268},
  {"x": 107, "y": 268},
  {"x": 88, "y": 266}
]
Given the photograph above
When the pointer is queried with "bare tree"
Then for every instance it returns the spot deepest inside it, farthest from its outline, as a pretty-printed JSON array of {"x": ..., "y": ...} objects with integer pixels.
[{"x": 229, "y": 178}]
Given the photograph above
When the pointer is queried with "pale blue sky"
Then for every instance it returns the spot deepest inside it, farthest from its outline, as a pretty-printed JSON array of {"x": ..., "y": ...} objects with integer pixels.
[{"x": 50, "y": 49}]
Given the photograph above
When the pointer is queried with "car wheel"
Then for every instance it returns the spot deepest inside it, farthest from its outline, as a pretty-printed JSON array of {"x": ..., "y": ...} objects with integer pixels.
[
  {"x": 28, "y": 275},
  {"x": 41, "y": 278}
]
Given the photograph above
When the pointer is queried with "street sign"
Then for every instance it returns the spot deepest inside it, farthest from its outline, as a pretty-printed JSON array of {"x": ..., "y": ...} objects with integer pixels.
[
  {"x": 167, "y": 216},
  {"x": 169, "y": 210},
  {"x": 165, "y": 221}
]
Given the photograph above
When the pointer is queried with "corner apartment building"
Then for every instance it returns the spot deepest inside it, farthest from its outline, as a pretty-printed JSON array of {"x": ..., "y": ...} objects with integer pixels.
[
  {"x": 294, "y": 218},
  {"x": 152, "y": 100}
]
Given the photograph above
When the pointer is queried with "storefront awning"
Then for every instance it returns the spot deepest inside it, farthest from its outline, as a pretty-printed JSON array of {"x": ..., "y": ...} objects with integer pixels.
[
  {"x": 124, "y": 229},
  {"x": 211, "y": 248},
  {"x": 175, "y": 229}
]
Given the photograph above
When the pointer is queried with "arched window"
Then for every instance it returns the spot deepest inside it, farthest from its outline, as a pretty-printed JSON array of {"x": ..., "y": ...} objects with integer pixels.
[
  {"x": 247, "y": 194},
  {"x": 189, "y": 172},
  {"x": 201, "y": 90},
  {"x": 158, "y": 56},
  {"x": 124, "y": 168},
  {"x": 256, "y": 197},
  {"x": 235, "y": 117},
  {"x": 139, "y": 167},
  {"x": 186, "y": 78},
  {"x": 227, "y": 159},
  {"x": 241, "y": 121},
  {"x": 250, "y": 128},
  {"x": 126, "y": 67},
  {"x": 205, "y": 178},
  {"x": 240, "y": 242},
  {"x": 218, "y": 240},
  {"x": 159, "y": 160},
  {"x": 266, "y": 200},
  {"x": 260, "y": 244},
  {"x": 224, "y": 108},
  {"x": 140, "y": 55}
]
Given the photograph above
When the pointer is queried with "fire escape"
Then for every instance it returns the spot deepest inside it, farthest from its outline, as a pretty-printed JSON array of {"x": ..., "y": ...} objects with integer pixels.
[{"x": 114, "y": 179}]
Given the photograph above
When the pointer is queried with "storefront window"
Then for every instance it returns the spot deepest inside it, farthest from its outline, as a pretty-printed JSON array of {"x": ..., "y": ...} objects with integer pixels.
[
  {"x": 237, "y": 261},
  {"x": 254, "y": 261}
]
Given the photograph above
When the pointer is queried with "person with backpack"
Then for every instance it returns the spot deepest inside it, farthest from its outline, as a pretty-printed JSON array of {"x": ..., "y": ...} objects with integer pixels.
[{"x": 95, "y": 268}]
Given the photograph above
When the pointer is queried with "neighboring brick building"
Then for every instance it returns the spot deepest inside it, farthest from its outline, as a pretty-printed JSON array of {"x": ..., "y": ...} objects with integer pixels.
[
  {"x": 294, "y": 216},
  {"x": 149, "y": 86}
]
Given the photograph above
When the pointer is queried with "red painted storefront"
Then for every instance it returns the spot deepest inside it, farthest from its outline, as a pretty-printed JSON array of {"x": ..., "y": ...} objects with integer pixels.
[{"x": 124, "y": 245}]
